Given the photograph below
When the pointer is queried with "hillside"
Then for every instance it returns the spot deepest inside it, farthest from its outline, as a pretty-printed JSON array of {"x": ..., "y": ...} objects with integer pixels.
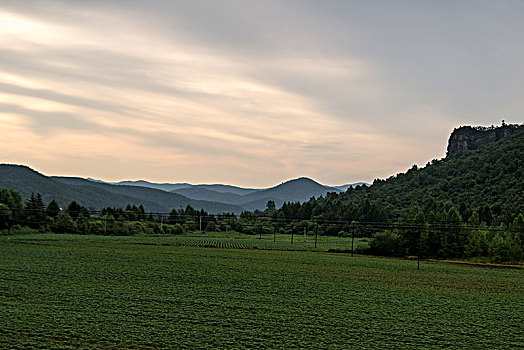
[
  {"x": 98, "y": 195},
  {"x": 491, "y": 175},
  {"x": 197, "y": 192}
]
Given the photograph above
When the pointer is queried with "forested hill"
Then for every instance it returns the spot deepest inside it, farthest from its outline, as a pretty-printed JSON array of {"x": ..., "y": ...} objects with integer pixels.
[
  {"x": 98, "y": 195},
  {"x": 488, "y": 180},
  {"x": 491, "y": 176}
]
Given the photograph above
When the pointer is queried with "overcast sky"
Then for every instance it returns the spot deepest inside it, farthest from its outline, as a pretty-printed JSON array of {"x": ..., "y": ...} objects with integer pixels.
[{"x": 251, "y": 93}]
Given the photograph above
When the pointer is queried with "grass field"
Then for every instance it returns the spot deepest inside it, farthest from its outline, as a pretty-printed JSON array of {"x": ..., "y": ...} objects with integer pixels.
[
  {"x": 267, "y": 241},
  {"x": 150, "y": 292}
]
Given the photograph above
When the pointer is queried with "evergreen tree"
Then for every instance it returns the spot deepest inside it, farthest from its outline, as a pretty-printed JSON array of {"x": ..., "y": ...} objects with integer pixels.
[
  {"x": 453, "y": 241},
  {"x": 52, "y": 209},
  {"x": 35, "y": 211},
  {"x": 74, "y": 210}
]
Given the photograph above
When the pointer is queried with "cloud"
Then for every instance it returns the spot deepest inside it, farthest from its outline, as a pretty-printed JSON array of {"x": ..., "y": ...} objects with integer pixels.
[{"x": 249, "y": 93}]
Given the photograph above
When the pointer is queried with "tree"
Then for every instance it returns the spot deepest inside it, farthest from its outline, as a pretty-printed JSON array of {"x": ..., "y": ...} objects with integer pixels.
[
  {"x": 176, "y": 217},
  {"x": 35, "y": 211},
  {"x": 474, "y": 219},
  {"x": 177, "y": 229},
  {"x": 5, "y": 216},
  {"x": 500, "y": 248},
  {"x": 454, "y": 240},
  {"x": 477, "y": 244},
  {"x": 63, "y": 223},
  {"x": 211, "y": 227},
  {"x": 190, "y": 225},
  {"x": 485, "y": 215},
  {"x": 74, "y": 210},
  {"x": 13, "y": 200},
  {"x": 518, "y": 226},
  {"x": 83, "y": 225},
  {"x": 410, "y": 236},
  {"x": 52, "y": 209}
]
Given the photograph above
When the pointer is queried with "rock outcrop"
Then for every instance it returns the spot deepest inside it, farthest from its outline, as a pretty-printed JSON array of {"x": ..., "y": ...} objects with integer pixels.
[{"x": 471, "y": 137}]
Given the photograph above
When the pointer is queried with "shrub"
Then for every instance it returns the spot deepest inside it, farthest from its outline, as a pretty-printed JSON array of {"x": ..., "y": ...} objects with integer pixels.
[{"x": 385, "y": 243}]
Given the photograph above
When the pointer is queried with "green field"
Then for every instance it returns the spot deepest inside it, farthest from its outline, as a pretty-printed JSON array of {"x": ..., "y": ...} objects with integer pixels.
[
  {"x": 267, "y": 241},
  {"x": 154, "y": 292}
]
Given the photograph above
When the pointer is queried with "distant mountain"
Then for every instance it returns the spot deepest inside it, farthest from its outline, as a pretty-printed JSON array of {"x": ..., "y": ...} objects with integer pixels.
[
  {"x": 297, "y": 190},
  {"x": 98, "y": 195},
  {"x": 158, "y": 197},
  {"x": 159, "y": 186},
  {"x": 227, "y": 189},
  {"x": 99, "y": 181},
  {"x": 197, "y": 192},
  {"x": 344, "y": 188},
  {"x": 237, "y": 195},
  {"x": 172, "y": 187}
]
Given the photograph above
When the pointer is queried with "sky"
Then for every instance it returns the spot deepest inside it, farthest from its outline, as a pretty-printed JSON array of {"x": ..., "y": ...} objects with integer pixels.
[{"x": 251, "y": 93}]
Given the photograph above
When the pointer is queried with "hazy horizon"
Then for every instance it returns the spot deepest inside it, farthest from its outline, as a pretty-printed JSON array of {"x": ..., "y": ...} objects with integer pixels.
[
  {"x": 251, "y": 94},
  {"x": 181, "y": 182}
]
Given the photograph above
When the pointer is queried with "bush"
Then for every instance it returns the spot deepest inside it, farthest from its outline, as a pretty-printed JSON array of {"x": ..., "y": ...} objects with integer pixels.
[
  {"x": 177, "y": 229},
  {"x": 18, "y": 230},
  {"x": 385, "y": 243},
  {"x": 211, "y": 227},
  {"x": 190, "y": 225},
  {"x": 64, "y": 224}
]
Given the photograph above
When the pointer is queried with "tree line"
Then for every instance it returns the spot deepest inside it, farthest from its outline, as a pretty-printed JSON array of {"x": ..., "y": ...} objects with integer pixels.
[{"x": 439, "y": 230}]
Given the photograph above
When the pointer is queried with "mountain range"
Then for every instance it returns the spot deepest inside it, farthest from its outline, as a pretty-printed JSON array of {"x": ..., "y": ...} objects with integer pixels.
[
  {"x": 156, "y": 197},
  {"x": 296, "y": 190}
]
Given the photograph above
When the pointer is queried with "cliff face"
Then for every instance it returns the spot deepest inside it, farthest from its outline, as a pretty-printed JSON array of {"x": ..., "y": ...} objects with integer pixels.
[{"x": 468, "y": 137}]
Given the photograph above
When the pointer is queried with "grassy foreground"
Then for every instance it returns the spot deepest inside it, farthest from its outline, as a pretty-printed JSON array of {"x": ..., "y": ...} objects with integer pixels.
[{"x": 140, "y": 292}]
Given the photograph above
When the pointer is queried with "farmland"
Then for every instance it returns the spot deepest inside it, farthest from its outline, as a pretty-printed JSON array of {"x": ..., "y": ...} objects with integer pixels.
[
  {"x": 266, "y": 241},
  {"x": 75, "y": 291}
]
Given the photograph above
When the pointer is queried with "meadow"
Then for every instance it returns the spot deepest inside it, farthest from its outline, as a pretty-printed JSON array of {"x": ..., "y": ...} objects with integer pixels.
[{"x": 71, "y": 291}]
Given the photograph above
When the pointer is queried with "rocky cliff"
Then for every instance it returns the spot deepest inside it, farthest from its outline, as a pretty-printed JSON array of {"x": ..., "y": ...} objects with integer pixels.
[{"x": 471, "y": 137}]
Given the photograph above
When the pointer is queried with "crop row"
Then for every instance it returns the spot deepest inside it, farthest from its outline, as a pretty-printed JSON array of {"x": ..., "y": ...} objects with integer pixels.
[{"x": 111, "y": 292}]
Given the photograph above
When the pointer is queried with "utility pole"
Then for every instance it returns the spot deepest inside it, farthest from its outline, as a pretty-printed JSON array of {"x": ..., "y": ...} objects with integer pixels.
[
  {"x": 316, "y": 229},
  {"x": 200, "y": 219},
  {"x": 274, "y": 235},
  {"x": 352, "y": 238},
  {"x": 353, "y": 225},
  {"x": 292, "y": 237},
  {"x": 418, "y": 248},
  {"x": 304, "y": 233}
]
